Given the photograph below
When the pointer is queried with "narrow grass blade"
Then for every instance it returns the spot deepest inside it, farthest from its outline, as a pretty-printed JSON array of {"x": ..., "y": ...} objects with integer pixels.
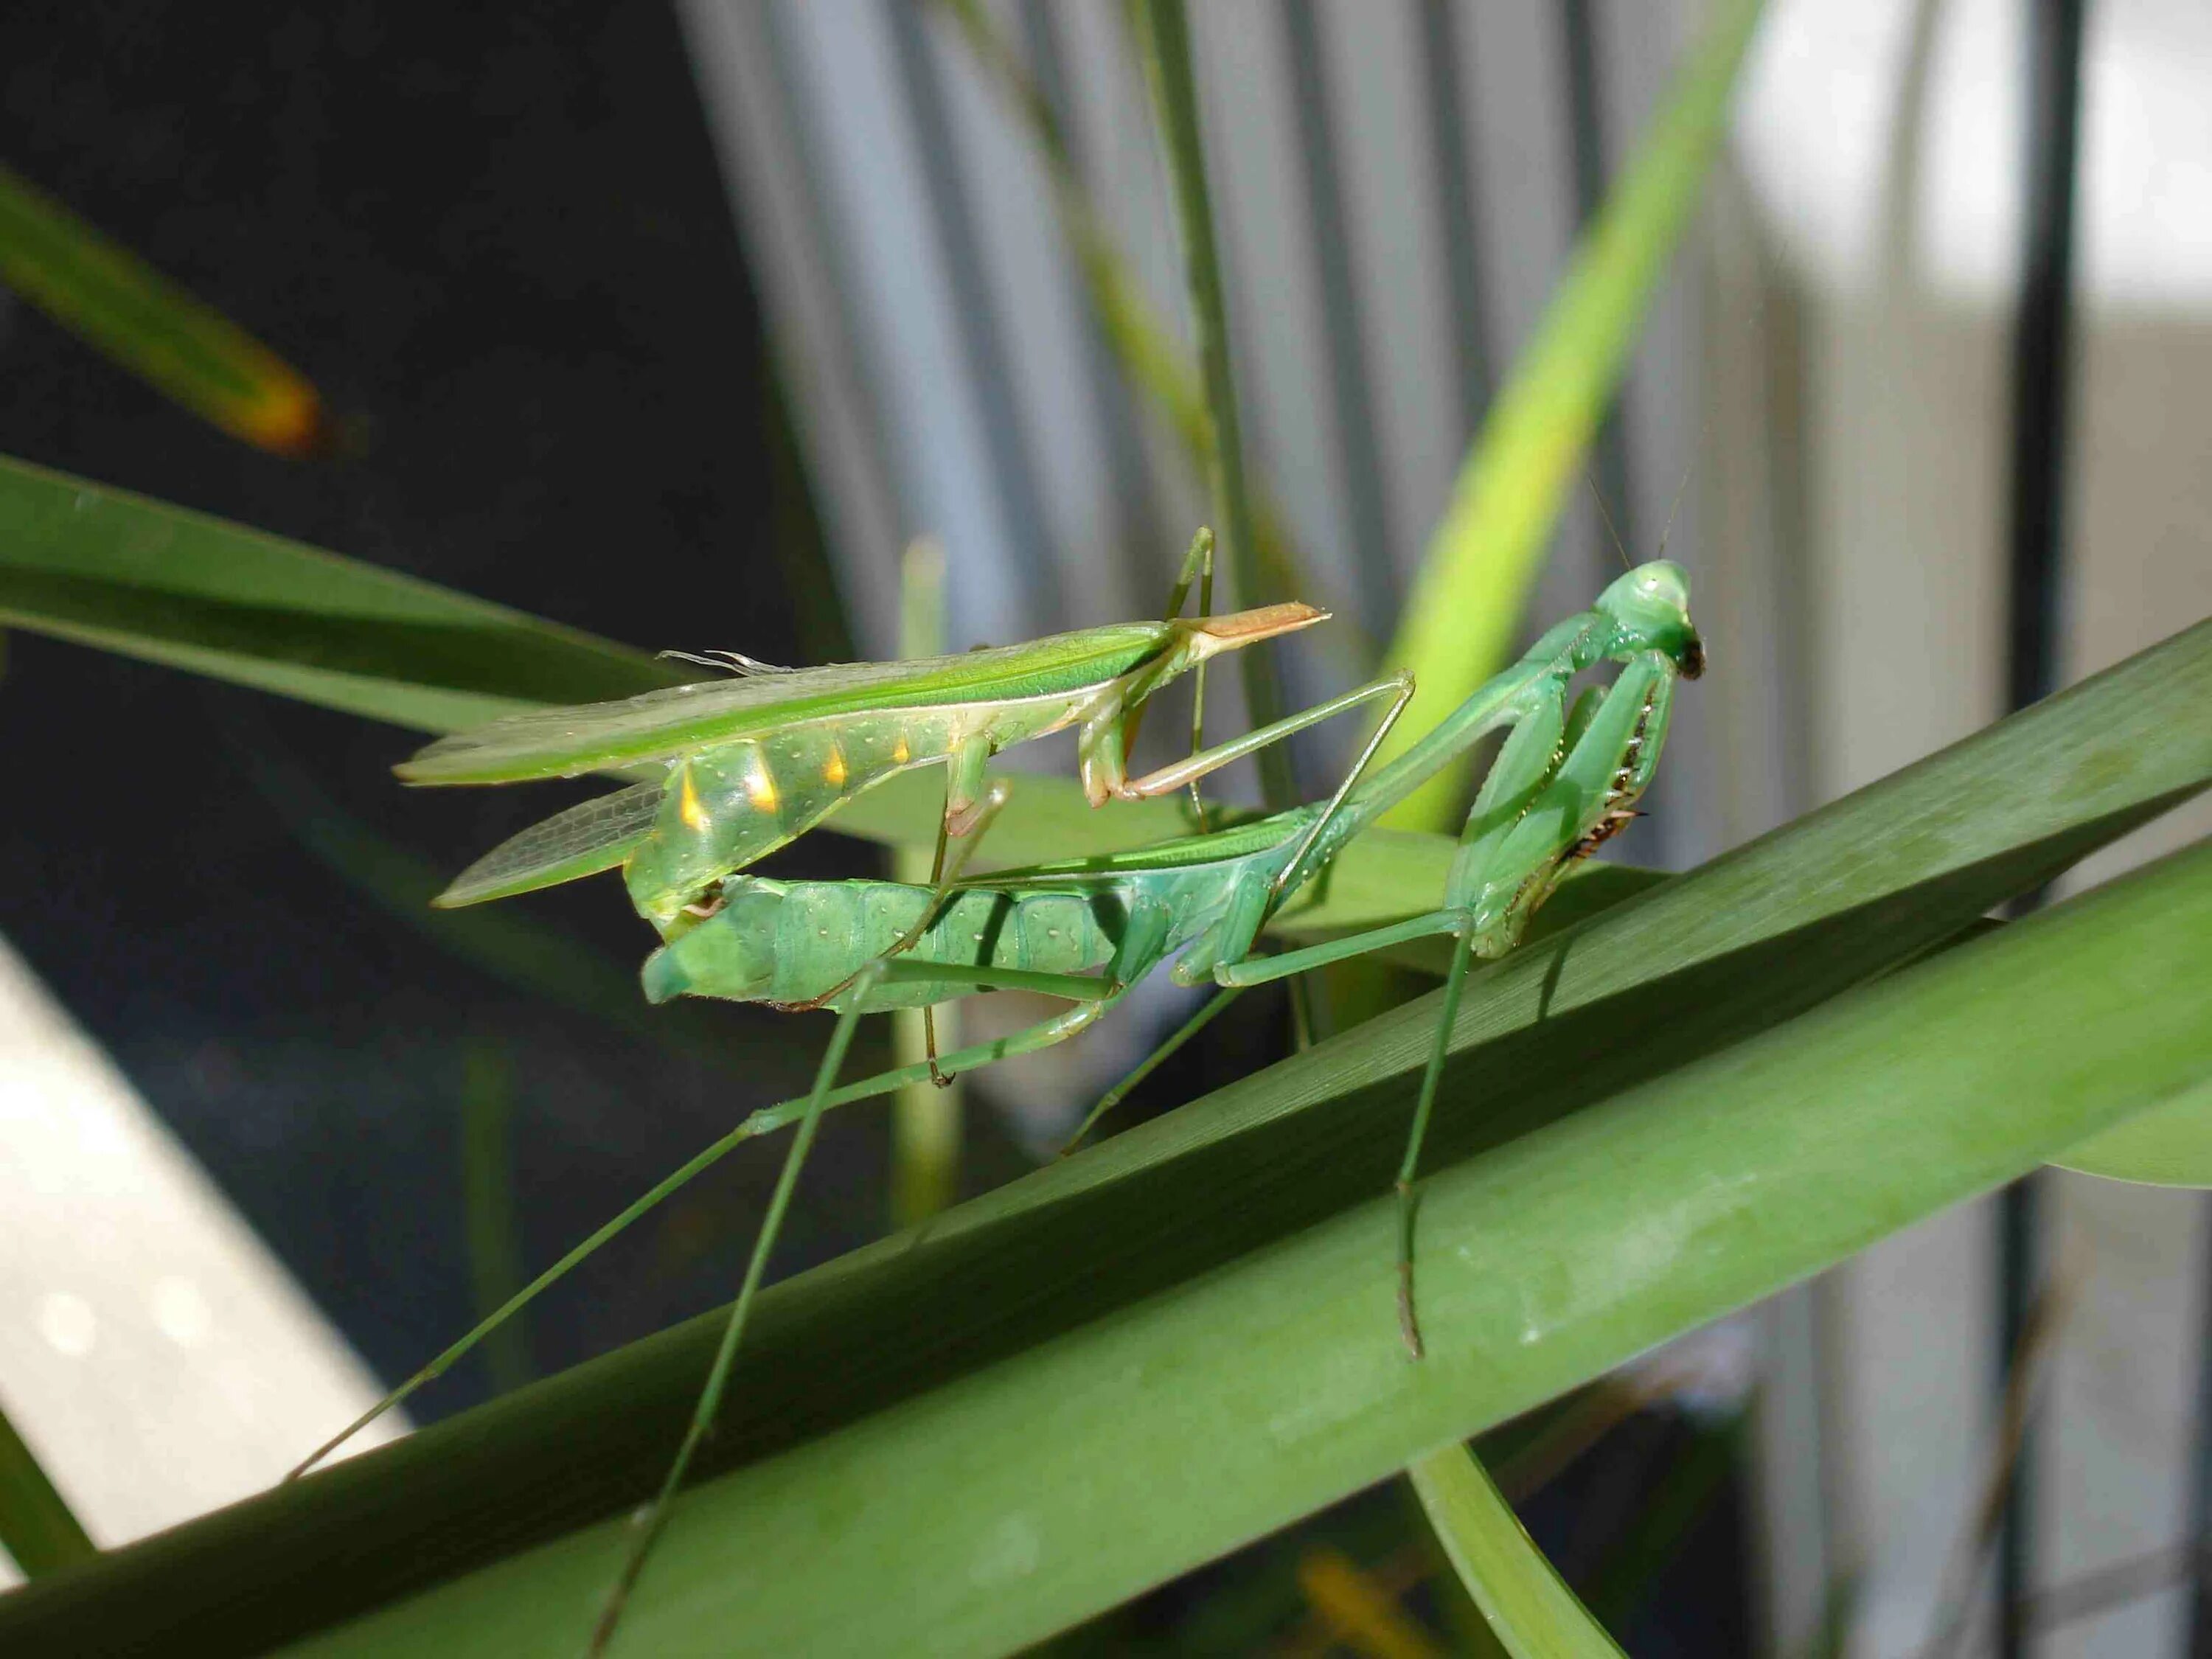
[
  {"x": 1366, "y": 1618},
  {"x": 1139, "y": 339},
  {"x": 35, "y": 1522},
  {"x": 1087, "y": 1380},
  {"x": 925, "y": 1117},
  {"x": 108, "y": 568},
  {"x": 117, "y": 303},
  {"x": 494, "y": 1235},
  {"x": 1164, "y": 35},
  {"x": 1483, "y": 554},
  {"x": 1522, "y": 1595}
]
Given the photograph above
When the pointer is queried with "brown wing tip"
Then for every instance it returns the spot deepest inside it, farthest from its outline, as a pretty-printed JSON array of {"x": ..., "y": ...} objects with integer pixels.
[{"x": 1264, "y": 622}]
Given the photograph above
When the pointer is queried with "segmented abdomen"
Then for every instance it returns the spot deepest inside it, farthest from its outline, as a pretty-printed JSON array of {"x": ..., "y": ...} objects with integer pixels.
[
  {"x": 825, "y": 930},
  {"x": 724, "y": 807}
]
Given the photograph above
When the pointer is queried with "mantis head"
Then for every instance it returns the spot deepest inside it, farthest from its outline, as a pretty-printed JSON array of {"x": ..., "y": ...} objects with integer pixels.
[
  {"x": 1649, "y": 608},
  {"x": 731, "y": 953},
  {"x": 1209, "y": 636}
]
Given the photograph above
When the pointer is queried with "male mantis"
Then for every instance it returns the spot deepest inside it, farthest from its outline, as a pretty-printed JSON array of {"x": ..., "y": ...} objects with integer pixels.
[
  {"x": 1562, "y": 783},
  {"x": 752, "y": 763}
]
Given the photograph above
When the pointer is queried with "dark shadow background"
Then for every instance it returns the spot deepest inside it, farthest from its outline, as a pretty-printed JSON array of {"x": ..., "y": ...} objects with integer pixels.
[{"x": 501, "y": 246}]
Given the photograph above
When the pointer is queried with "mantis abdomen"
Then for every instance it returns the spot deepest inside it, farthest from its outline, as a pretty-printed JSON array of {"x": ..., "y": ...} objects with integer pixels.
[
  {"x": 727, "y": 805},
  {"x": 792, "y": 942}
]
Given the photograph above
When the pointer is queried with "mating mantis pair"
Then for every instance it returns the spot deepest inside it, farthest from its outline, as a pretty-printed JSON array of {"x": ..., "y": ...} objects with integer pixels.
[{"x": 1085, "y": 931}]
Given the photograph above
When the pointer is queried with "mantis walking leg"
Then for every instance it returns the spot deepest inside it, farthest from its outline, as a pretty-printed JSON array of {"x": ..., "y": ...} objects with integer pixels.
[
  {"x": 1511, "y": 796},
  {"x": 1258, "y": 905},
  {"x": 1138, "y": 950},
  {"x": 1199, "y": 561},
  {"x": 648, "y": 1521},
  {"x": 1120, "y": 1092},
  {"x": 1091, "y": 997}
]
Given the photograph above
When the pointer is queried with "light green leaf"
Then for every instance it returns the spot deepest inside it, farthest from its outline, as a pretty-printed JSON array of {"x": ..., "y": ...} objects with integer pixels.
[{"x": 1522, "y": 1595}]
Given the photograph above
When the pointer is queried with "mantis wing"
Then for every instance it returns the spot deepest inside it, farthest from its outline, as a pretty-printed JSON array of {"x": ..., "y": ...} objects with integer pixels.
[
  {"x": 588, "y": 838},
  {"x": 567, "y": 742}
]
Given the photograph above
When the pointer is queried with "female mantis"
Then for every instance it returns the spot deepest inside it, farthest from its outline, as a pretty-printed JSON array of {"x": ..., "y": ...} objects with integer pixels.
[
  {"x": 1562, "y": 783},
  {"x": 753, "y": 762}
]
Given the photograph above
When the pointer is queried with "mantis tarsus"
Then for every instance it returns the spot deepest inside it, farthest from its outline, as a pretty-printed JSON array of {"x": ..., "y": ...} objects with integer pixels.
[
  {"x": 754, "y": 761},
  {"x": 1084, "y": 931}
]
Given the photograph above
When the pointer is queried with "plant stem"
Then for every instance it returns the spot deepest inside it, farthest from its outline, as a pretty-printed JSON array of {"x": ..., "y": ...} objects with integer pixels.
[{"x": 1164, "y": 35}]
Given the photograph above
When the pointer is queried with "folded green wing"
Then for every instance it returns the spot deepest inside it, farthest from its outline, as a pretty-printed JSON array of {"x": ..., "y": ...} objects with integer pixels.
[
  {"x": 567, "y": 742},
  {"x": 588, "y": 838}
]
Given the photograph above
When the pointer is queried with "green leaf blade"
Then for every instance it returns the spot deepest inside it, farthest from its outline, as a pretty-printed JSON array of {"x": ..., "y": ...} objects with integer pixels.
[
  {"x": 102, "y": 567},
  {"x": 36, "y": 1524},
  {"x": 1527, "y": 1604}
]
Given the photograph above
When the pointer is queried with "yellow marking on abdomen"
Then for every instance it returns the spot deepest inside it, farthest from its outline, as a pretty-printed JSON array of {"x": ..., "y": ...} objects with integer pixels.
[
  {"x": 833, "y": 770},
  {"x": 690, "y": 807},
  {"x": 900, "y": 753},
  {"x": 760, "y": 787}
]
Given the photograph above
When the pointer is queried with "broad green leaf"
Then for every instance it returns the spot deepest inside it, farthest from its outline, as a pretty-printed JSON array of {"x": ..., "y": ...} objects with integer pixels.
[
  {"x": 1484, "y": 555},
  {"x": 1134, "y": 1359},
  {"x": 2169, "y": 1145},
  {"x": 116, "y": 301},
  {"x": 1029, "y": 1492},
  {"x": 35, "y": 1523},
  {"x": 1522, "y": 1595}
]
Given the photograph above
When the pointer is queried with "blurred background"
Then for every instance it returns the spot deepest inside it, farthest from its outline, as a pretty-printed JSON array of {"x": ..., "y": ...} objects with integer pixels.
[{"x": 678, "y": 323}]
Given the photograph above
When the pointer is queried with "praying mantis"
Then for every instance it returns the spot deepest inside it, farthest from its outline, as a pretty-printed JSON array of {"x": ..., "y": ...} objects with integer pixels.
[
  {"x": 753, "y": 762},
  {"x": 1564, "y": 780}
]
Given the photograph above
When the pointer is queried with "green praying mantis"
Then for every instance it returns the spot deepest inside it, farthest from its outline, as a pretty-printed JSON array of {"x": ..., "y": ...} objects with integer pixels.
[{"x": 1565, "y": 780}]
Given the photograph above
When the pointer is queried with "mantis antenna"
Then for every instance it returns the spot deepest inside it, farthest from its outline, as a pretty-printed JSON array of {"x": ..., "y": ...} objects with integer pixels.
[
  {"x": 1598, "y": 495},
  {"x": 1682, "y": 489},
  {"x": 731, "y": 662}
]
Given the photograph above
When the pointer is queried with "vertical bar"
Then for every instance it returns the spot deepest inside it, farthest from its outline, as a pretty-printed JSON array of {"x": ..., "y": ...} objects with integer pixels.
[
  {"x": 2041, "y": 343},
  {"x": 2200, "y": 1495},
  {"x": 983, "y": 347},
  {"x": 1458, "y": 211},
  {"x": 1371, "y": 554},
  {"x": 1136, "y": 525},
  {"x": 1586, "y": 130},
  {"x": 1164, "y": 35}
]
